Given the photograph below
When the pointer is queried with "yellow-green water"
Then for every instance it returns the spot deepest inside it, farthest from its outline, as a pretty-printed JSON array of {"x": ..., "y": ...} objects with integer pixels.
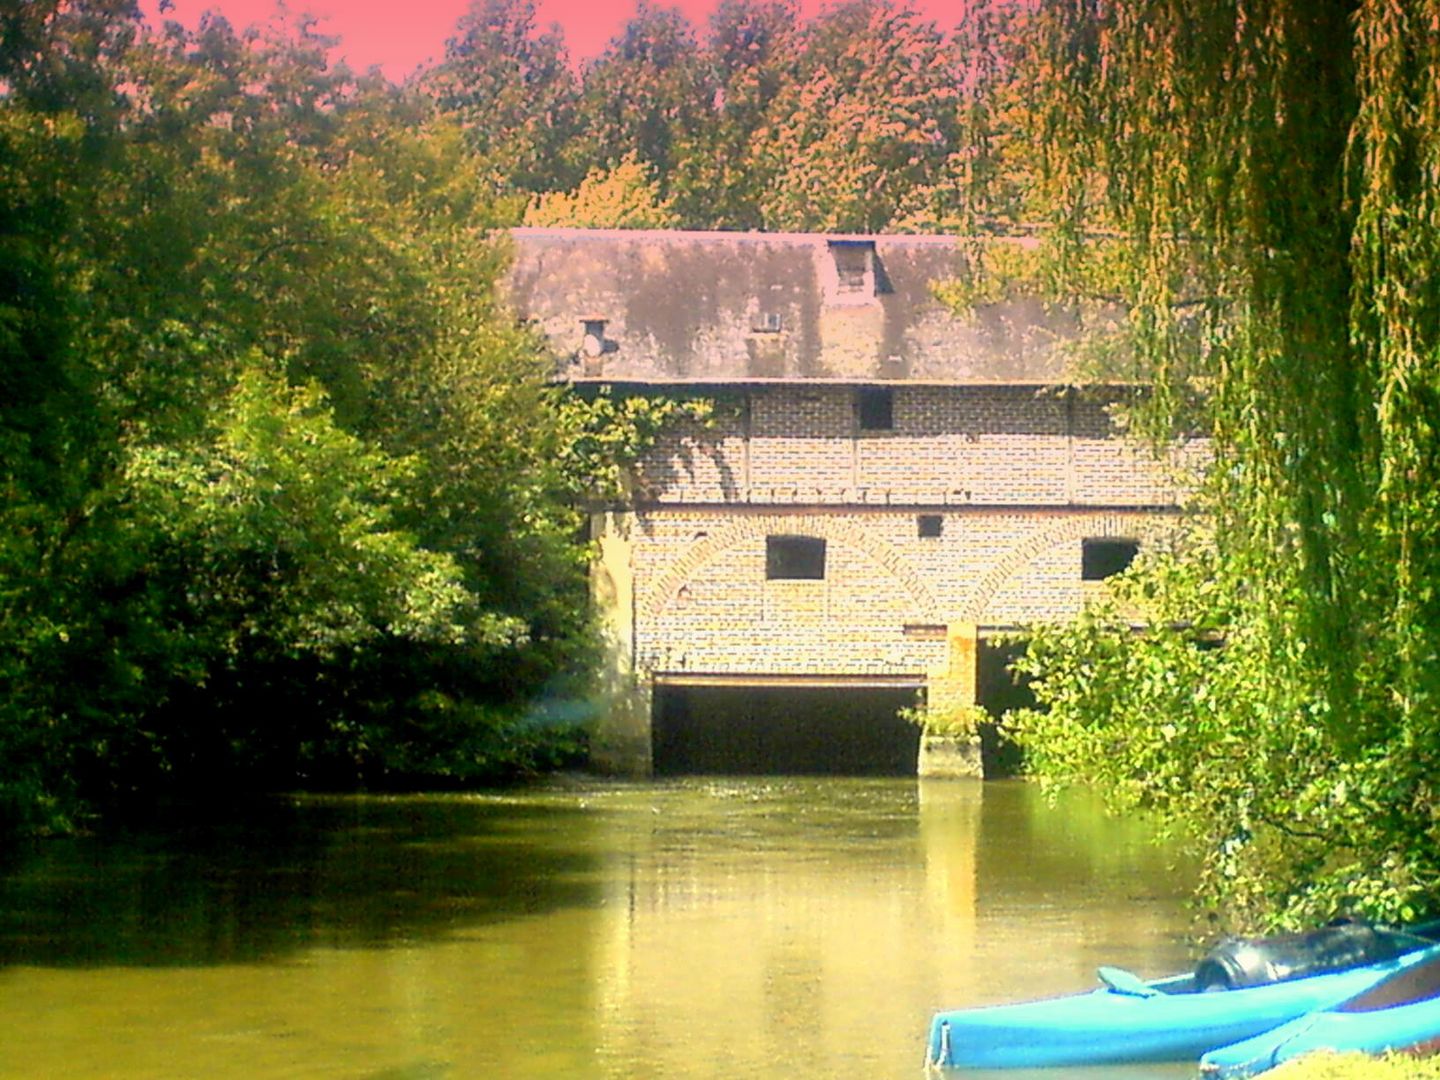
[{"x": 787, "y": 928}]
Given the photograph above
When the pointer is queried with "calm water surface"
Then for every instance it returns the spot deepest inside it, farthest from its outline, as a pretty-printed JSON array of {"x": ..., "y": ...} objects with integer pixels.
[{"x": 786, "y": 928}]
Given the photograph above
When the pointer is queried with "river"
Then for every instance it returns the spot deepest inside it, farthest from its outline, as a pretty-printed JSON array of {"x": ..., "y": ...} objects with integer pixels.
[{"x": 701, "y": 928}]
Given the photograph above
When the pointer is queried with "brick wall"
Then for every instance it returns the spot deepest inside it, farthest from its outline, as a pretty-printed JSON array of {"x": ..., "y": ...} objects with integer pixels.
[
  {"x": 1017, "y": 479},
  {"x": 950, "y": 446},
  {"x": 703, "y": 603}
]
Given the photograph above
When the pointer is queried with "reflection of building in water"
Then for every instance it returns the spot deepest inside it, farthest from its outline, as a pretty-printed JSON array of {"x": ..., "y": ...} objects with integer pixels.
[
  {"x": 779, "y": 943},
  {"x": 1059, "y": 889},
  {"x": 949, "y": 828},
  {"x": 751, "y": 945}
]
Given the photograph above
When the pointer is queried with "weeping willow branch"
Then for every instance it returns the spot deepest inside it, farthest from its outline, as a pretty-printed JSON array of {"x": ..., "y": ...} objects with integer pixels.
[{"x": 1296, "y": 147}]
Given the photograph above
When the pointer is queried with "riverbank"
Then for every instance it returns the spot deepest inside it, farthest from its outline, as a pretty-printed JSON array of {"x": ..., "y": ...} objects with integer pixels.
[{"x": 1359, "y": 1067}]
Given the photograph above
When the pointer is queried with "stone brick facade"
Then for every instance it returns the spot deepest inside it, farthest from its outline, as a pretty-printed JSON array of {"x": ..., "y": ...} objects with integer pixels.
[
  {"x": 948, "y": 447},
  {"x": 1009, "y": 482},
  {"x": 957, "y": 505}
]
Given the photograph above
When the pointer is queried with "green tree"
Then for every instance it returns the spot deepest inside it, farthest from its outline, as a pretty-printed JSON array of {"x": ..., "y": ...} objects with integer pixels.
[
  {"x": 643, "y": 94},
  {"x": 513, "y": 91},
  {"x": 267, "y": 433},
  {"x": 1272, "y": 172},
  {"x": 625, "y": 197},
  {"x": 993, "y": 181},
  {"x": 866, "y": 128},
  {"x": 748, "y": 58}
]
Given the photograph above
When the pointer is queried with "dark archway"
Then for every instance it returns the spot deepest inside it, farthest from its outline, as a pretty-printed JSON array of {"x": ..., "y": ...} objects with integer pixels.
[
  {"x": 784, "y": 730},
  {"x": 999, "y": 691}
]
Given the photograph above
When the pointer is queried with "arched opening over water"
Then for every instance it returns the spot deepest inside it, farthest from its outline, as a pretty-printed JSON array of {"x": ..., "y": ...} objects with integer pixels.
[
  {"x": 999, "y": 691},
  {"x": 775, "y": 730}
]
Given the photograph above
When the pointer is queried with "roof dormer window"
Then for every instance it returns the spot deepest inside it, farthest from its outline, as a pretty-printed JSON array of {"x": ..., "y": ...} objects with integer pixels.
[{"x": 854, "y": 271}]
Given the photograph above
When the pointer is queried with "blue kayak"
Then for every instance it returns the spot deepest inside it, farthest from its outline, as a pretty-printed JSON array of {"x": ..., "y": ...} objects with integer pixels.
[
  {"x": 1131, "y": 1020},
  {"x": 1400, "y": 1012}
]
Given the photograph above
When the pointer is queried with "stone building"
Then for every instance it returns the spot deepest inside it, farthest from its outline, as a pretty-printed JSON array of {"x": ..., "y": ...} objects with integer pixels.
[{"x": 885, "y": 486}]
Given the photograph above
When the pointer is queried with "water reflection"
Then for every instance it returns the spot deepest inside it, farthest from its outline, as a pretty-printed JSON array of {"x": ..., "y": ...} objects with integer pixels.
[
  {"x": 342, "y": 873},
  {"x": 738, "y": 928},
  {"x": 815, "y": 934}
]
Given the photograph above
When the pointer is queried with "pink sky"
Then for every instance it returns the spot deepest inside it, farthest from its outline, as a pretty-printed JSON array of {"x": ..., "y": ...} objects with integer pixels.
[{"x": 401, "y": 34}]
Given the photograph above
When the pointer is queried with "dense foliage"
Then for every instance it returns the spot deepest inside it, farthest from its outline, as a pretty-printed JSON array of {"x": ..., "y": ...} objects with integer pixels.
[
  {"x": 267, "y": 434},
  {"x": 288, "y": 498},
  {"x": 1274, "y": 171},
  {"x": 866, "y": 117}
]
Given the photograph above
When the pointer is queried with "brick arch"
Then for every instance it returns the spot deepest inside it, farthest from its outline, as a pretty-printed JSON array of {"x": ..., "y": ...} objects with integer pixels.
[
  {"x": 845, "y": 532},
  {"x": 1021, "y": 555}
]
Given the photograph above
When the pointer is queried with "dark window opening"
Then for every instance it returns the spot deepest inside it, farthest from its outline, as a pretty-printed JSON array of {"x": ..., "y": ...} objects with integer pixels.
[
  {"x": 1100, "y": 559},
  {"x": 929, "y": 526},
  {"x": 852, "y": 267},
  {"x": 794, "y": 558},
  {"x": 876, "y": 408}
]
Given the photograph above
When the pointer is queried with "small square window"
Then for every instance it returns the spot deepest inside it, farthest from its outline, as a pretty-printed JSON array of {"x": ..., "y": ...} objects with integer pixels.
[
  {"x": 794, "y": 558},
  {"x": 929, "y": 526},
  {"x": 1100, "y": 559},
  {"x": 875, "y": 406}
]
